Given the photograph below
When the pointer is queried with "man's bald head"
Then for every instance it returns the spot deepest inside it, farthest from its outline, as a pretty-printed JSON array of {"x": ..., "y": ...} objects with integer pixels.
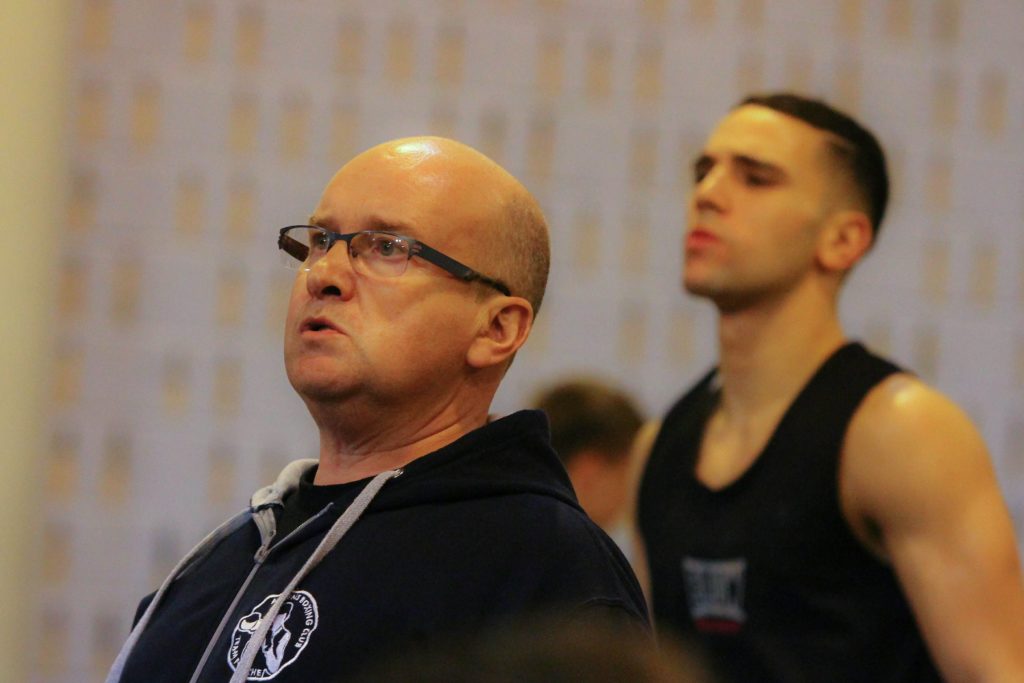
[{"x": 505, "y": 229}]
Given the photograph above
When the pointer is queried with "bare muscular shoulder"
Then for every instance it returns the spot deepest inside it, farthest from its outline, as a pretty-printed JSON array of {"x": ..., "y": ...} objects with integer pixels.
[
  {"x": 918, "y": 488},
  {"x": 907, "y": 449}
]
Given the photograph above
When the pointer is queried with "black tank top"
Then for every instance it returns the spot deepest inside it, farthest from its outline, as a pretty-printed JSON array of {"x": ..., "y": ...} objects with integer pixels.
[{"x": 765, "y": 574}]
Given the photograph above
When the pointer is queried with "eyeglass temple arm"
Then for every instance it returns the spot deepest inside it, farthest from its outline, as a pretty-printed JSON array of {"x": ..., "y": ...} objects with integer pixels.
[
  {"x": 292, "y": 246},
  {"x": 460, "y": 270}
]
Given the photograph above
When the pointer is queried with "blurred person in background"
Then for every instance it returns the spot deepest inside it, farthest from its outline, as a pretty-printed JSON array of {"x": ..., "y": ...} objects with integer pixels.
[
  {"x": 418, "y": 277},
  {"x": 811, "y": 511},
  {"x": 599, "y": 434}
]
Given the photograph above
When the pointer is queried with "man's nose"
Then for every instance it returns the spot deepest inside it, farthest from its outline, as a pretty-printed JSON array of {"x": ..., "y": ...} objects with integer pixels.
[
  {"x": 710, "y": 191},
  {"x": 332, "y": 275}
]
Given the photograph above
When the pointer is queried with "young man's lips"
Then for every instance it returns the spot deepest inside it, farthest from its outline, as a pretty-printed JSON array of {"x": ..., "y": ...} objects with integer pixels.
[{"x": 700, "y": 238}]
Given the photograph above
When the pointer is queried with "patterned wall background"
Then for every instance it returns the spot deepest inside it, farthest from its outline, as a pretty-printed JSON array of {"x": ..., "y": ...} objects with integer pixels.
[{"x": 201, "y": 126}]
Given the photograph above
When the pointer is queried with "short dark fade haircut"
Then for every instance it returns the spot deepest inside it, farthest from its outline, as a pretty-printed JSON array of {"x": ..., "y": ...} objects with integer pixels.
[
  {"x": 856, "y": 149},
  {"x": 587, "y": 414}
]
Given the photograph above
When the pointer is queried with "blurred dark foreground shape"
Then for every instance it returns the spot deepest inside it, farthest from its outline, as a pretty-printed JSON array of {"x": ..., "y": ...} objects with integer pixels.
[{"x": 550, "y": 649}]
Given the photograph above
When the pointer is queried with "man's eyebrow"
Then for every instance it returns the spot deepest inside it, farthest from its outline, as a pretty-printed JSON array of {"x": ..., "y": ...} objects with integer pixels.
[
  {"x": 378, "y": 223},
  {"x": 371, "y": 223},
  {"x": 753, "y": 164},
  {"x": 744, "y": 161}
]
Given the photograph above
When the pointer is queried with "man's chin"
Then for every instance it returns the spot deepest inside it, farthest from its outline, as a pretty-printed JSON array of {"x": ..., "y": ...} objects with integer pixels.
[
  {"x": 698, "y": 288},
  {"x": 316, "y": 384},
  {"x": 322, "y": 393},
  {"x": 725, "y": 301}
]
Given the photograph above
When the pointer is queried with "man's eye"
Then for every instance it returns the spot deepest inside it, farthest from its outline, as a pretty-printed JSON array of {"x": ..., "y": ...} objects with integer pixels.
[
  {"x": 386, "y": 247},
  {"x": 757, "y": 180},
  {"x": 318, "y": 240},
  {"x": 700, "y": 171}
]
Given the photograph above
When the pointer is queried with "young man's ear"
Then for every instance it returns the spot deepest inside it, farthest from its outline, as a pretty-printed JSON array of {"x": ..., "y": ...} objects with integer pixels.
[
  {"x": 505, "y": 324},
  {"x": 845, "y": 239}
]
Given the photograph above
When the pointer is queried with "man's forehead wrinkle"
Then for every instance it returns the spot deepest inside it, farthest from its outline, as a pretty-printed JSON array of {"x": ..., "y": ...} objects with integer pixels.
[
  {"x": 375, "y": 222},
  {"x": 372, "y": 222},
  {"x": 358, "y": 185}
]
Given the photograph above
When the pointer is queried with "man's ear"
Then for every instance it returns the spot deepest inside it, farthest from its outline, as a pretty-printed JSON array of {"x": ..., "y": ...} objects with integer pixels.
[
  {"x": 505, "y": 324},
  {"x": 846, "y": 237}
]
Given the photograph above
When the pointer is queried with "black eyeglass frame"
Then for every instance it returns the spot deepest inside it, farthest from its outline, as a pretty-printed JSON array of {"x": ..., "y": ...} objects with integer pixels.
[{"x": 294, "y": 248}]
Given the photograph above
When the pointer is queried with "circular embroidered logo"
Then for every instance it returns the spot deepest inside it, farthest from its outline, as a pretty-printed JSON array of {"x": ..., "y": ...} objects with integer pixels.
[{"x": 286, "y": 639}]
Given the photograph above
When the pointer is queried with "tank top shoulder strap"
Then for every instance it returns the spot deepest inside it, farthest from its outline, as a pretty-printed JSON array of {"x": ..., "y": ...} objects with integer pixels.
[
  {"x": 828, "y": 401},
  {"x": 675, "y": 447}
]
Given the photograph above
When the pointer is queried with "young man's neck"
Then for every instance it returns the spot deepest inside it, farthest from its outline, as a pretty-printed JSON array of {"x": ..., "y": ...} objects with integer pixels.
[{"x": 768, "y": 352}]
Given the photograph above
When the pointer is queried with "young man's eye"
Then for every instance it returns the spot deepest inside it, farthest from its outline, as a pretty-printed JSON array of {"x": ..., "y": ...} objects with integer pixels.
[
  {"x": 758, "y": 180},
  {"x": 701, "y": 168}
]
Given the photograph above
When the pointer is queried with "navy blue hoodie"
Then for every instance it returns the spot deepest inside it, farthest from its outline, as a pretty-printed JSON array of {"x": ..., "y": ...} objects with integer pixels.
[{"x": 483, "y": 529}]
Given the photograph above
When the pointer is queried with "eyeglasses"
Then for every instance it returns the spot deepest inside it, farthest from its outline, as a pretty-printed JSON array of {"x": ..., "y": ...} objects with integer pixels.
[{"x": 373, "y": 252}]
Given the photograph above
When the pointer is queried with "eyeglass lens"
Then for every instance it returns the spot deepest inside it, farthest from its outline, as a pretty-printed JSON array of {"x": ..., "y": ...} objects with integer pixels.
[{"x": 379, "y": 253}]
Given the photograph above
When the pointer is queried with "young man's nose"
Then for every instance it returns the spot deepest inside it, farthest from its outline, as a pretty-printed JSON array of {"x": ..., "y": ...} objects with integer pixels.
[{"x": 710, "y": 191}]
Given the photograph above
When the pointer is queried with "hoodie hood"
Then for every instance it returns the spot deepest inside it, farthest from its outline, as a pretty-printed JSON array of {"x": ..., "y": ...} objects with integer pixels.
[{"x": 479, "y": 464}]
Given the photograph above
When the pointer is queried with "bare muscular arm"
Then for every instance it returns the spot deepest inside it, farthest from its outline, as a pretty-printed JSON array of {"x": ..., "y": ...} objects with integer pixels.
[{"x": 918, "y": 488}]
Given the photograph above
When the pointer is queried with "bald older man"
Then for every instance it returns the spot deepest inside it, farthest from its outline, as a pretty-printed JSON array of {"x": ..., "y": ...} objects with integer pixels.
[{"x": 418, "y": 278}]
